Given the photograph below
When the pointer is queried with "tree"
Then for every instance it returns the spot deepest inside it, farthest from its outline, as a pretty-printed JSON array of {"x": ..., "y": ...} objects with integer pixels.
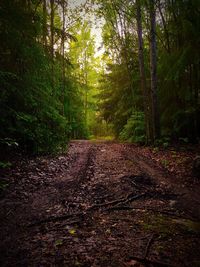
[
  {"x": 153, "y": 68},
  {"x": 44, "y": 24},
  {"x": 31, "y": 102},
  {"x": 146, "y": 98},
  {"x": 52, "y": 4},
  {"x": 82, "y": 56}
]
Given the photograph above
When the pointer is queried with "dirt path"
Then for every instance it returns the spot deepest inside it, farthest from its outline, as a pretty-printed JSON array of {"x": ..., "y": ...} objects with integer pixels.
[{"x": 101, "y": 204}]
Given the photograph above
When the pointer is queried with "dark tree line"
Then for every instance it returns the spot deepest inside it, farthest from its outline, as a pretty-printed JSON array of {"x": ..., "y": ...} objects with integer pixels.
[{"x": 40, "y": 103}]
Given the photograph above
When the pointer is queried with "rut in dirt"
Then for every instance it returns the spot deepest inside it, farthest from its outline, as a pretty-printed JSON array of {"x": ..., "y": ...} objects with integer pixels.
[{"x": 101, "y": 204}]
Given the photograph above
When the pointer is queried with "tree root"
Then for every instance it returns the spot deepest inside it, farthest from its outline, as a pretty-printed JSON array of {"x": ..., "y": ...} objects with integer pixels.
[
  {"x": 127, "y": 199},
  {"x": 165, "y": 212}
]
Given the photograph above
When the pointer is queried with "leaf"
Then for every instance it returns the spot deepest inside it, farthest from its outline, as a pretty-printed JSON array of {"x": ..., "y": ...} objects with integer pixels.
[
  {"x": 72, "y": 231},
  {"x": 4, "y": 165},
  {"x": 58, "y": 242}
]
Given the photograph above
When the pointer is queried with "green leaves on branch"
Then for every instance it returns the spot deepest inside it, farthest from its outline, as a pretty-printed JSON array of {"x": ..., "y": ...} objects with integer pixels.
[{"x": 134, "y": 130}]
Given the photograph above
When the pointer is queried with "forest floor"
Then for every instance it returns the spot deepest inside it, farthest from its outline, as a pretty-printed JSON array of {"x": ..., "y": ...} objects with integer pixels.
[{"x": 101, "y": 204}]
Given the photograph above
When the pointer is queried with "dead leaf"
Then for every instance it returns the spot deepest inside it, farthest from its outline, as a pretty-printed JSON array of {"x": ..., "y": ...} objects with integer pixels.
[
  {"x": 58, "y": 242},
  {"x": 72, "y": 231}
]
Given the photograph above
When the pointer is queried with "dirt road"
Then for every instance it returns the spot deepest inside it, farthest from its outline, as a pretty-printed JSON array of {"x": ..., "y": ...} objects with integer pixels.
[{"x": 101, "y": 204}]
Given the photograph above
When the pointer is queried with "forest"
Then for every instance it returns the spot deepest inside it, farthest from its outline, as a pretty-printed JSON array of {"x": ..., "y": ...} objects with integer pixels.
[
  {"x": 139, "y": 82},
  {"x": 100, "y": 133}
]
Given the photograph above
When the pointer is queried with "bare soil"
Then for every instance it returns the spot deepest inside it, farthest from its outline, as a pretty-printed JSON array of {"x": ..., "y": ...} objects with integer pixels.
[{"x": 100, "y": 204}]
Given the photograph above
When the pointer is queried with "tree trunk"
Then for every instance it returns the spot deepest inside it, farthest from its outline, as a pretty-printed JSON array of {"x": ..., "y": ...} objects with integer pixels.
[
  {"x": 153, "y": 69},
  {"x": 196, "y": 100},
  {"x": 166, "y": 32},
  {"x": 52, "y": 44},
  {"x": 86, "y": 87},
  {"x": 148, "y": 125},
  {"x": 44, "y": 37},
  {"x": 63, "y": 54}
]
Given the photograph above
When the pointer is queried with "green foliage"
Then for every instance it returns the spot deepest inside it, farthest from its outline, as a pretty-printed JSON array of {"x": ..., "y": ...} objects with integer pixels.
[
  {"x": 85, "y": 64},
  {"x": 163, "y": 142},
  {"x": 51, "y": 92},
  {"x": 116, "y": 101},
  {"x": 134, "y": 130},
  {"x": 33, "y": 114},
  {"x": 178, "y": 68},
  {"x": 8, "y": 142},
  {"x": 4, "y": 165}
]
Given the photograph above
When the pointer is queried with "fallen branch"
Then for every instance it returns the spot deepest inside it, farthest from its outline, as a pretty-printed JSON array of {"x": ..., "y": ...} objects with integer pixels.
[{"x": 149, "y": 261}]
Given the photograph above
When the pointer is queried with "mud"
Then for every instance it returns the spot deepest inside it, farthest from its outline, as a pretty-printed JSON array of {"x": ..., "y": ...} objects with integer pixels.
[{"x": 100, "y": 204}]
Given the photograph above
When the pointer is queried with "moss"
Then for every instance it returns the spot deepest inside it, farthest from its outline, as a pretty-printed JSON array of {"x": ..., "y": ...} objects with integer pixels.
[{"x": 164, "y": 225}]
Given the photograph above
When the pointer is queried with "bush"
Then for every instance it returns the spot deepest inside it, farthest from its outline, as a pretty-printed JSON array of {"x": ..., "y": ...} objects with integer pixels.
[{"x": 134, "y": 130}]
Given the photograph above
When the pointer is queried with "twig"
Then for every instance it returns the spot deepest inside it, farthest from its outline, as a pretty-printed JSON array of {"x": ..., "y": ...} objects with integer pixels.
[
  {"x": 130, "y": 199},
  {"x": 106, "y": 204},
  {"x": 150, "y": 241}
]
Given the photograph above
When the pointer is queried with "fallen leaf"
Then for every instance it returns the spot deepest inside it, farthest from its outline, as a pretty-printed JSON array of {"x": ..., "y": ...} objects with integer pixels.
[
  {"x": 58, "y": 242},
  {"x": 72, "y": 231}
]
